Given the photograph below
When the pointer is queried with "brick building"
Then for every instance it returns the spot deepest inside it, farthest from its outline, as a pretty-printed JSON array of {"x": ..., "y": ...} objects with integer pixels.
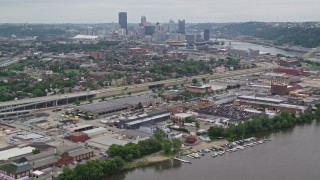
[
  {"x": 288, "y": 63},
  {"x": 293, "y": 72},
  {"x": 17, "y": 168},
  {"x": 78, "y": 137},
  {"x": 97, "y": 55}
]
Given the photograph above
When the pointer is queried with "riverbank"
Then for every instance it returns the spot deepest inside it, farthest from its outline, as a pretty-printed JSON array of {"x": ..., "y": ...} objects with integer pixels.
[
  {"x": 294, "y": 151},
  {"x": 284, "y": 48},
  {"x": 159, "y": 157},
  {"x": 147, "y": 160}
]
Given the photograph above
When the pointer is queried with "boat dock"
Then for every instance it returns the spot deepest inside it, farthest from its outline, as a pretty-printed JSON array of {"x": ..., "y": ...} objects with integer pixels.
[
  {"x": 182, "y": 160},
  {"x": 221, "y": 150}
]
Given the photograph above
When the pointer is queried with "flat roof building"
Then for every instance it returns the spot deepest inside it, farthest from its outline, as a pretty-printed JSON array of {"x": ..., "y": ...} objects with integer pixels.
[
  {"x": 261, "y": 99},
  {"x": 80, "y": 128},
  {"x": 148, "y": 119},
  {"x": 103, "y": 142},
  {"x": 106, "y": 108},
  {"x": 15, "y": 152},
  {"x": 94, "y": 132}
]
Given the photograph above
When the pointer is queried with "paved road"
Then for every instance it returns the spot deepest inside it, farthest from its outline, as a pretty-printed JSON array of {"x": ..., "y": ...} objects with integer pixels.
[{"x": 261, "y": 67}]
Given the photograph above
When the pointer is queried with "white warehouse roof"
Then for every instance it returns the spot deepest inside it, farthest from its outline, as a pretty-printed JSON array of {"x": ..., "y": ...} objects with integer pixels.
[{"x": 14, "y": 152}]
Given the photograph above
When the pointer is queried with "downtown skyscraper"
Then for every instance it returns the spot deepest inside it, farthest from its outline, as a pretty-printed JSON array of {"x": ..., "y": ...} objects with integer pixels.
[
  {"x": 123, "y": 21},
  {"x": 182, "y": 26}
]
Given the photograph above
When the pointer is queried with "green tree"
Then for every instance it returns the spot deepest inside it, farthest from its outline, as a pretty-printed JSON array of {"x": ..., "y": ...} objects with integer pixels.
[
  {"x": 36, "y": 151},
  {"x": 77, "y": 102},
  {"x": 67, "y": 174},
  {"x": 159, "y": 135},
  {"x": 149, "y": 146},
  {"x": 176, "y": 145},
  {"x": 37, "y": 93},
  {"x": 194, "y": 81},
  {"x": 167, "y": 146},
  {"x": 197, "y": 124}
]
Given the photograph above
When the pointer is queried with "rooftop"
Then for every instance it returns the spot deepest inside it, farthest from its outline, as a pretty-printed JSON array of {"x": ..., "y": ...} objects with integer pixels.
[
  {"x": 261, "y": 99},
  {"x": 108, "y": 140},
  {"x": 85, "y": 37},
  {"x": 94, "y": 130},
  {"x": 14, "y": 152},
  {"x": 116, "y": 103},
  {"x": 147, "y": 119},
  {"x": 80, "y": 127},
  {"x": 183, "y": 115}
]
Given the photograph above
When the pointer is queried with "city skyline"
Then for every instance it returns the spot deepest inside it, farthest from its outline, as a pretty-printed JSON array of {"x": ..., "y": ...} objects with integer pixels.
[{"x": 97, "y": 11}]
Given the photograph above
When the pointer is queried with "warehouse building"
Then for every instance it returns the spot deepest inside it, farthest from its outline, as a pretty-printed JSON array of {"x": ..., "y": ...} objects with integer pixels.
[
  {"x": 24, "y": 166},
  {"x": 58, "y": 157},
  {"x": 103, "y": 142},
  {"x": 15, "y": 152},
  {"x": 95, "y": 132},
  {"x": 275, "y": 107},
  {"x": 114, "y": 106},
  {"x": 80, "y": 128},
  {"x": 147, "y": 119}
]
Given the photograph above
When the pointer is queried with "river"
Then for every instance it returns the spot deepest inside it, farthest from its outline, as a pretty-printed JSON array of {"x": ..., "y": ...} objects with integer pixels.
[
  {"x": 291, "y": 154},
  {"x": 246, "y": 46}
]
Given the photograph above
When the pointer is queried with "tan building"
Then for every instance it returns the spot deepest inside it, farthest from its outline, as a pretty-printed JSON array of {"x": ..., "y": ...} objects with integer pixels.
[
  {"x": 199, "y": 88},
  {"x": 205, "y": 102},
  {"x": 179, "y": 118}
]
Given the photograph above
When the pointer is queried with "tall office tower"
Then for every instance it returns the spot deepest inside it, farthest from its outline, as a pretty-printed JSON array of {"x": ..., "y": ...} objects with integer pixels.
[
  {"x": 171, "y": 27},
  {"x": 182, "y": 27},
  {"x": 123, "y": 21},
  {"x": 206, "y": 34},
  {"x": 90, "y": 31},
  {"x": 143, "y": 20}
]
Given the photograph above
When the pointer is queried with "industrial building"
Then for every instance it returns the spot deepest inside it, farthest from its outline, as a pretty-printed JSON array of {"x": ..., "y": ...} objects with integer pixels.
[
  {"x": 15, "y": 152},
  {"x": 289, "y": 71},
  {"x": 24, "y": 166},
  {"x": 199, "y": 88},
  {"x": 244, "y": 53},
  {"x": 58, "y": 157},
  {"x": 179, "y": 118},
  {"x": 276, "y": 107},
  {"x": 146, "y": 119},
  {"x": 114, "y": 106},
  {"x": 95, "y": 132},
  {"x": 81, "y": 128},
  {"x": 281, "y": 87},
  {"x": 270, "y": 103},
  {"x": 103, "y": 142}
]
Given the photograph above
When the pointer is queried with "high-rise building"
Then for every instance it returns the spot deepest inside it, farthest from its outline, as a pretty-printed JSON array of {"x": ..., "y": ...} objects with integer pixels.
[
  {"x": 149, "y": 30},
  {"x": 89, "y": 31},
  {"x": 123, "y": 20},
  {"x": 182, "y": 27},
  {"x": 171, "y": 27},
  {"x": 206, "y": 34},
  {"x": 143, "y": 20}
]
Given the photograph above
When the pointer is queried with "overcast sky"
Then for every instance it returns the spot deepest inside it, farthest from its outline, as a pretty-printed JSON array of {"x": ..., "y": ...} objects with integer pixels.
[{"x": 106, "y": 11}]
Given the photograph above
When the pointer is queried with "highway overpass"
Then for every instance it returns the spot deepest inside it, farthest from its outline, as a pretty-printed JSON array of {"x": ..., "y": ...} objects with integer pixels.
[{"x": 64, "y": 99}]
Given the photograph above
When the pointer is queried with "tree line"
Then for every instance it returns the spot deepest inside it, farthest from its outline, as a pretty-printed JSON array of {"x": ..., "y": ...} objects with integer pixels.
[
  {"x": 93, "y": 169},
  {"x": 262, "y": 123},
  {"x": 120, "y": 156},
  {"x": 158, "y": 142},
  {"x": 300, "y": 36}
]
